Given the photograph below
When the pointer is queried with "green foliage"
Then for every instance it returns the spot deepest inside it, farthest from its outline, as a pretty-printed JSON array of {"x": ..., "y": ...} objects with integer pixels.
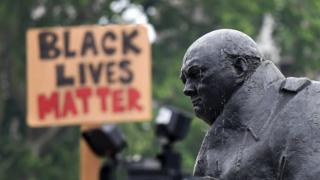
[
  {"x": 142, "y": 143},
  {"x": 17, "y": 161}
]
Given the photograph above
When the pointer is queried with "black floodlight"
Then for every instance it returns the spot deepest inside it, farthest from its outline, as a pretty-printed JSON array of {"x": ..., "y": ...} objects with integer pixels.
[
  {"x": 172, "y": 124},
  {"x": 107, "y": 140}
]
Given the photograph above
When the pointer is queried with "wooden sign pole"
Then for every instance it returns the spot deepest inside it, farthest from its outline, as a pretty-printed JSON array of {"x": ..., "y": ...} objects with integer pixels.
[{"x": 89, "y": 162}]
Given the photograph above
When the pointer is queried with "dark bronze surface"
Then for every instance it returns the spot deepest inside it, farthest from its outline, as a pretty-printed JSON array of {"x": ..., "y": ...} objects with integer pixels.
[{"x": 263, "y": 126}]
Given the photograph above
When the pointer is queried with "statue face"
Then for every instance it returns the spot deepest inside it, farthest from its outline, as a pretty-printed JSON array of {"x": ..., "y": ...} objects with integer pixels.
[
  {"x": 209, "y": 74},
  {"x": 209, "y": 80}
]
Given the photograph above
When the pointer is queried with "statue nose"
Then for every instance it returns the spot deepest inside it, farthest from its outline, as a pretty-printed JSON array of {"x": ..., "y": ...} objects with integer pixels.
[{"x": 189, "y": 90}]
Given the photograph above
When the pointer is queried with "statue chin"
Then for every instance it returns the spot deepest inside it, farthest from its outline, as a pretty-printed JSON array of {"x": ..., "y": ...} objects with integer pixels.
[
  {"x": 207, "y": 116},
  {"x": 200, "y": 113}
]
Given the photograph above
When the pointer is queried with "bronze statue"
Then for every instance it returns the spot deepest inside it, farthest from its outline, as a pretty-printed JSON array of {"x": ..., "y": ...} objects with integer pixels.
[{"x": 263, "y": 126}]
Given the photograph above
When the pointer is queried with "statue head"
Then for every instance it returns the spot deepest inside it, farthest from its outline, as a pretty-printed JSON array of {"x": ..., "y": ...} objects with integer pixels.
[{"x": 214, "y": 67}]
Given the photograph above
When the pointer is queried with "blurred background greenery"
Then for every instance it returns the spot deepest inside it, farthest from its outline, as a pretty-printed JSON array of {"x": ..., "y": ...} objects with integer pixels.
[{"x": 286, "y": 30}]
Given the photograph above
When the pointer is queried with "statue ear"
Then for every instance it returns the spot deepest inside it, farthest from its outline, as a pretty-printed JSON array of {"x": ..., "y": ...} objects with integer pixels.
[{"x": 240, "y": 64}]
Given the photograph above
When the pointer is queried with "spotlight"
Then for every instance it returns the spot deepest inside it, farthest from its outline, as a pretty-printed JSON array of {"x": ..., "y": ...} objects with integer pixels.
[
  {"x": 107, "y": 140},
  {"x": 172, "y": 124}
]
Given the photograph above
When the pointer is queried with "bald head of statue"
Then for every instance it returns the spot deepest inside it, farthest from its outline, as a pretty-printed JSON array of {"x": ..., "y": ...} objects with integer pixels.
[{"x": 214, "y": 67}]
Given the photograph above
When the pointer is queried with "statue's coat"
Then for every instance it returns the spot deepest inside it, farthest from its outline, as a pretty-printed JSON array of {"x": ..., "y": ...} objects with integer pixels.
[{"x": 268, "y": 130}]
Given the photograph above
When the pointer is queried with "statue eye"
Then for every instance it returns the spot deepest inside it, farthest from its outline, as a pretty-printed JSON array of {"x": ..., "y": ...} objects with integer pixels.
[{"x": 194, "y": 72}]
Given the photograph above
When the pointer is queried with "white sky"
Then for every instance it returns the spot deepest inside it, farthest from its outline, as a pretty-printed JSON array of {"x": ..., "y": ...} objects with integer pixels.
[{"x": 132, "y": 14}]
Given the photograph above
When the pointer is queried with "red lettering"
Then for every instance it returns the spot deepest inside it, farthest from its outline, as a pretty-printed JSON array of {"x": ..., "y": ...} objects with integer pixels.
[
  {"x": 117, "y": 105},
  {"x": 84, "y": 94},
  {"x": 102, "y": 92},
  {"x": 110, "y": 99},
  {"x": 69, "y": 106},
  {"x": 46, "y": 105},
  {"x": 134, "y": 96}
]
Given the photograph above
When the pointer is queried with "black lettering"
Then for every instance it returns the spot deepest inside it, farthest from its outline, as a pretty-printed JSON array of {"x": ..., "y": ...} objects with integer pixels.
[
  {"x": 124, "y": 65},
  {"x": 62, "y": 80},
  {"x": 82, "y": 74},
  {"x": 68, "y": 52},
  {"x": 88, "y": 44},
  {"x": 48, "y": 49},
  {"x": 127, "y": 42},
  {"x": 110, "y": 72},
  {"x": 111, "y": 36},
  {"x": 95, "y": 72}
]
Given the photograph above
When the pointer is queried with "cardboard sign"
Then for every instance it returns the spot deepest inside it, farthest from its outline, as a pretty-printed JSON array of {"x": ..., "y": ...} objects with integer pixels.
[{"x": 88, "y": 75}]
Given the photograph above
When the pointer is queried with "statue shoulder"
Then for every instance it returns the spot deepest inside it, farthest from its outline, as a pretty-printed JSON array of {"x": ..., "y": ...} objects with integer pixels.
[{"x": 292, "y": 84}]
